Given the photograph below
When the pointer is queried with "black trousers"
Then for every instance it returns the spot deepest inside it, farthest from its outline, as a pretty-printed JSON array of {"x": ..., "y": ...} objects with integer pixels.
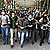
[{"x": 43, "y": 35}]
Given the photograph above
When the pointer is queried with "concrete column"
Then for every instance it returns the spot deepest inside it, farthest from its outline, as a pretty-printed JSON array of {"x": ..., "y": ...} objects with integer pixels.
[
  {"x": 47, "y": 4},
  {"x": 40, "y": 4},
  {"x": 2, "y": 3}
]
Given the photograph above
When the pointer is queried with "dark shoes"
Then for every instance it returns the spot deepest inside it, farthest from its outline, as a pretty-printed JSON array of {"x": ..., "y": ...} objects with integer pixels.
[
  {"x": 4, "y": 43},
  {"x": 15, "y": 40},
  {"x": 32, "y": 43},
  {"x": 12, "y": 46},
  {"x": 21, "y": 46},
  {"x": 40, "y": 44}
]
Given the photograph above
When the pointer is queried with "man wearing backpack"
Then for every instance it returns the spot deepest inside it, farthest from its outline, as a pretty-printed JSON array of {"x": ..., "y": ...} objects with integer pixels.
[{"x": 43, "y": 21}]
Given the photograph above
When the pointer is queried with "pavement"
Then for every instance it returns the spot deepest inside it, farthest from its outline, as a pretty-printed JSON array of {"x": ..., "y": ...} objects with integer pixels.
[{"x": 27, "y": 46}]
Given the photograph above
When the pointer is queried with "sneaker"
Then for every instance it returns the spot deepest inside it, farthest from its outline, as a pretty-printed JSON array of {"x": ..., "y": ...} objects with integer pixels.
[
  {"x": 12, "y": 46},
  {"x": 21, "y": 46},
  {"x": 4, "y": 43},
  {"x": 15, "y": 40},
  {"x": 40, "y": 44},
  {"x": 32, "y": 43}
]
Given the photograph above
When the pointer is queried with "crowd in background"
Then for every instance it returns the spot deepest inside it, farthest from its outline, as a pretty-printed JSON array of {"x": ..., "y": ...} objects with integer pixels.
[{"x": 24, "y": 25}]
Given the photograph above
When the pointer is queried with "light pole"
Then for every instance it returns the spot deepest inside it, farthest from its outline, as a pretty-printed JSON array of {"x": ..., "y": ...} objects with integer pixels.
[
  {"x": 47, "y": 4},
  {"x": 35, "y": 3},
  {"x": 40, "y": 4},
  {"x": 0, "y": 4},
  {"x": 12, "y": 3},
  {"x": 49, "y": 7}
]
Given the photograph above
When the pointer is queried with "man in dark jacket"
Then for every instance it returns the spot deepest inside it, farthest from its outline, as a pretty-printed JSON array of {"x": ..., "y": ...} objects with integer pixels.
[
  {"x": 13, "y": 27},
  {"x": 44, "y": 28}
]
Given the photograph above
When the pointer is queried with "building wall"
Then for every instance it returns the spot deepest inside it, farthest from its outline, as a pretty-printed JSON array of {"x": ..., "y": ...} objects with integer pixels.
[{"x": 25, "y": 2}]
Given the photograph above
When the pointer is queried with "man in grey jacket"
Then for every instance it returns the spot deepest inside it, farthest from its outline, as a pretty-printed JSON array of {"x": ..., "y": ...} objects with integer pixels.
[
  {"x": 4, "y": 26},
  {"x": 21, "y": 29}
]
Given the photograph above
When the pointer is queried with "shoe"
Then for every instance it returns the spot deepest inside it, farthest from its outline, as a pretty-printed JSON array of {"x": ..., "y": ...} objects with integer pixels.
[
  {"x": 21, "y": 46},
  {"x": 4, "y": 43},
  {"x": 40, "y": 44},
  {"x": 32, "y": 43},
  {"x": 15, "y": 40},
  {"x": 12, "y": 46}
]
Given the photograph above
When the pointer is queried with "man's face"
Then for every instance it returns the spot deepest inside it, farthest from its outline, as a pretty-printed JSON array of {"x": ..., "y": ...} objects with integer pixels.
[{"x": 12, "y": 14}]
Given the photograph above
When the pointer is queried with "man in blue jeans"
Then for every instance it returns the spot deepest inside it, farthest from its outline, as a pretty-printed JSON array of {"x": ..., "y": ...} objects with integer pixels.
[
  {"x": 4, "y": 26},
  {"x": 4, "y": 34},
  {"x": 48, "y": 29},
  {"x": 21, "y": 29}
]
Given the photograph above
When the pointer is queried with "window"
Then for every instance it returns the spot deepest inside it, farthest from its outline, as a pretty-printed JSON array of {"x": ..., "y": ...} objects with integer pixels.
[{"x": 24, "y": 0}]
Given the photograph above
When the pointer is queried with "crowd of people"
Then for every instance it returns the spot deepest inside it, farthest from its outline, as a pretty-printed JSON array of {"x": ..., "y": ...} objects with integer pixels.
[{"x": 24, "y": 25}]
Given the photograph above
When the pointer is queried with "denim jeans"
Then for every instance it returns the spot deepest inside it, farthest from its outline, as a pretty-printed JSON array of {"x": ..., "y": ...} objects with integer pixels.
[
  {"x": 28, "y": 33},
  {"x": 21, "y": 37},
  {"x": 4, "y": 34},
  {"x": 48, "y": 36}
]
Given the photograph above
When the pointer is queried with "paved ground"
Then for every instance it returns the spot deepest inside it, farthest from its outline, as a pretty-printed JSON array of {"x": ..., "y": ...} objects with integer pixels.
[{"x": 27, "y": 46}]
